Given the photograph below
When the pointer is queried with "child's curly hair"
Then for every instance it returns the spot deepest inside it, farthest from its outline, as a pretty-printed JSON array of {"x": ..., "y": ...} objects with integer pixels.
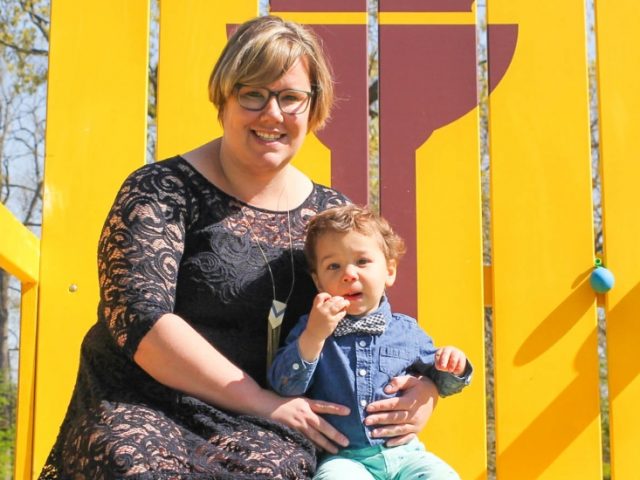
[{"x": 352, "y": 218}]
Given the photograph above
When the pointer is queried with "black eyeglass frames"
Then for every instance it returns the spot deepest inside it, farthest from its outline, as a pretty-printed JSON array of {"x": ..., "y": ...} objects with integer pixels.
[{"x": 290, "y": 101}]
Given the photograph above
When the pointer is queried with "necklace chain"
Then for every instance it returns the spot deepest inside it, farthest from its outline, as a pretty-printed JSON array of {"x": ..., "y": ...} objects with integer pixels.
[
  {"x": 266, "y": 260},
  {"x": 277, "y": 310}
]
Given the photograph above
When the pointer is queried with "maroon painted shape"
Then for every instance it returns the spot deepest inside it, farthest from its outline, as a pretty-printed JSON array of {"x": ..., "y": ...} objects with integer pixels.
[
  {"x": 346, "y": 133},
  {"x": 420, "y": 92},
  {"x": 425, "y": 5},
  {"x": 318, "y": 6}
]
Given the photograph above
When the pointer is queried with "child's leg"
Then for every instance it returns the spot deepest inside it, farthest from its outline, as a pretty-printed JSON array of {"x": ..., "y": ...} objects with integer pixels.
[
  {"x": 340, "y": 468},
  {"x": 427, "y": 467},
  {"x": 413, "y": 462}
]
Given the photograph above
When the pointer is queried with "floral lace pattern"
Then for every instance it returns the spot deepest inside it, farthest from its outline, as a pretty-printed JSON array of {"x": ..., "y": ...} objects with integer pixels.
[{"x": 173, "y": 242}]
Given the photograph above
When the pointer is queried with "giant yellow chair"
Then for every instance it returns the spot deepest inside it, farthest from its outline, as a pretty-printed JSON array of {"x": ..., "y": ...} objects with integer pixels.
[{"x": 545, "y": 345}]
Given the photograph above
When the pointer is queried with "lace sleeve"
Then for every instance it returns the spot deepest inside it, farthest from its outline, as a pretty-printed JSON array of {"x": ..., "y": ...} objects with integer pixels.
[{"x": 139, "y": 253}]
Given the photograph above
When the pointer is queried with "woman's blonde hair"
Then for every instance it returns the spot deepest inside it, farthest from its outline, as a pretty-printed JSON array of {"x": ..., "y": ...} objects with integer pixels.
[{"x": 261, "y": 51}]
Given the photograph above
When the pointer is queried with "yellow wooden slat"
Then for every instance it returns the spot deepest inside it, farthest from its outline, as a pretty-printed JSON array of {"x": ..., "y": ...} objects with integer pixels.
[
  {"x": 192, "y": 36},
  {"x": 450, "y": 296},
  {"x": 96, "y": 134},
  {"x": 19, "y": 248},
  {"x": 545, "y": 336},
  {"x": 26, "y": 383},
  {"x": 618, "y": 79}
]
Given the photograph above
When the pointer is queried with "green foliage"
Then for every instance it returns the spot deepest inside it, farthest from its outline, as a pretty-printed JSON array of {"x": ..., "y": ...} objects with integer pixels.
[
  {"x": 8, "y": 396},
  {"x": 24, "y": 38}
]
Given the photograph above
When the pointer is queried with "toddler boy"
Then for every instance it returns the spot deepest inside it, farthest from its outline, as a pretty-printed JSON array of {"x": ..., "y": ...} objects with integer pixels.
[{"x": 351, "y": 344}]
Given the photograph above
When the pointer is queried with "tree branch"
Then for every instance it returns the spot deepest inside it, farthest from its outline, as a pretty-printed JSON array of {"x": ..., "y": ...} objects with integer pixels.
[
  {"x": 17, "y": 48},
  {"x": 32, "y": 205},
  {"x": 38, "y": 21},
  {"x": 24, "y": 187}
]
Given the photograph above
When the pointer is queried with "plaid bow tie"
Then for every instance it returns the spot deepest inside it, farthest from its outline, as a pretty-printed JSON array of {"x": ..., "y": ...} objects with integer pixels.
[{"x": 371, "y": 324}]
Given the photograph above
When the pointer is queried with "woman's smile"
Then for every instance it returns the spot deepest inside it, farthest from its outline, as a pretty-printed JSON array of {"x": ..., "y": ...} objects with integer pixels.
[{"x": 268, "y": 136}]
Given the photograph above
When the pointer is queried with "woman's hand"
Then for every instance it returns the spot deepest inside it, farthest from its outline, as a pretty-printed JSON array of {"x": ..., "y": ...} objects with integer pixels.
[
  {"x": 401, "y": 418},
  {"x": 302, "y": 415}
]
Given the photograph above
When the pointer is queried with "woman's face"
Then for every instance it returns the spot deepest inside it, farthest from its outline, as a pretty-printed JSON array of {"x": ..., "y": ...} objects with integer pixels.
[{"x": 266, "y": 140}]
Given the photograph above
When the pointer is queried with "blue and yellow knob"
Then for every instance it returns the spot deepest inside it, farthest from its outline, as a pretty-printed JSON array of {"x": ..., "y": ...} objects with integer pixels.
[{"x": 601, "y": 279}]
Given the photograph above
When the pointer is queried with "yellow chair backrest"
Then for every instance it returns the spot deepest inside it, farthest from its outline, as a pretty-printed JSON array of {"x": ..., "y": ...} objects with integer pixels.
[{"x": 545, "y": 337}]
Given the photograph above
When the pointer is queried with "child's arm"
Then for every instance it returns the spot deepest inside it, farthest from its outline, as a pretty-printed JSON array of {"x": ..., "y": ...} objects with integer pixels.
[
  {"x": 326, "y": 313},
  {"x": 293, "y": 367},
  {"x": 451, "y": 359},
  {"x": 451, "y": 371},
  {"x": 289, "y": 375},
  {"x": 447, "y": 367}
]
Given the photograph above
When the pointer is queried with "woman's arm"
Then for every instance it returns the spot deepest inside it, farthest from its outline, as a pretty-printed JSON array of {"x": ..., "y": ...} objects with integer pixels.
[
  {"x": 176, "y": 355},
  {"x": 401, "y": 418}
]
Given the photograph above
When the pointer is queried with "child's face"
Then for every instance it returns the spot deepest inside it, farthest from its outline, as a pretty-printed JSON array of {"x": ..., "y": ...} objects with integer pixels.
[{"x": 353, "y": 266}]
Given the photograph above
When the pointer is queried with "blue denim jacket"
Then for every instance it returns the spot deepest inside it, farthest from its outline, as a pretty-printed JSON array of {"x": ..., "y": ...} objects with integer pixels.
[{"x": 352, "y": 370}]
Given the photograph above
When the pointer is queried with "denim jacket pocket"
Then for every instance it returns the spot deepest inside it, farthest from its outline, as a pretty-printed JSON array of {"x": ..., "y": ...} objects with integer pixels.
[{"x": 394, "y": 361}]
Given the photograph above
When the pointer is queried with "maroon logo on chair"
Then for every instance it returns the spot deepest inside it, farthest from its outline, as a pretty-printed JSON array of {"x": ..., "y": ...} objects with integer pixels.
[{"x": 427, "y": 80}]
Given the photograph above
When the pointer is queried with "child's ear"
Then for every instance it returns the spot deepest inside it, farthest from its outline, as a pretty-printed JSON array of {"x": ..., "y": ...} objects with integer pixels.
[{"x": 392, "y": 268}]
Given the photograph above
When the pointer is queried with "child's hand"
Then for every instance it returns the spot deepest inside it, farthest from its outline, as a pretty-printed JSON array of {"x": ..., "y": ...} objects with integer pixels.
[
  {"x": 326, "y": 313},
  {"x": 451, "y": 359}
]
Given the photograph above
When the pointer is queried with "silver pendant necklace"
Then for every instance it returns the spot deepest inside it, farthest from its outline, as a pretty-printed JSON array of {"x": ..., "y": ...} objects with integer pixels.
[{"x": 278, "y": 308}]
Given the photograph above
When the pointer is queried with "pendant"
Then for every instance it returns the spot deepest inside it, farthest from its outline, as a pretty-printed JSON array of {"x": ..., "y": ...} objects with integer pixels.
[{"x": 276, "y": 314}]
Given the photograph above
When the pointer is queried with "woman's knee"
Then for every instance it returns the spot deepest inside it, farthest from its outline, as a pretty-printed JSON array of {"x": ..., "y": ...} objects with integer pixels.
[{"x": 122, "y": 440}]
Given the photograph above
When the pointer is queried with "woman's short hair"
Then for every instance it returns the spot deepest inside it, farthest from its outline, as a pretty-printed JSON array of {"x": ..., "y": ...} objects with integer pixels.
[
  {"x": 352, "y": 218},
  {"x": 261, "y": 51}
]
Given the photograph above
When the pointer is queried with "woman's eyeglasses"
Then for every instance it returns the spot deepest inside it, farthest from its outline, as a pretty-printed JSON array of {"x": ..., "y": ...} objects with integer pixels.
[{"x": 290, "y": 101}]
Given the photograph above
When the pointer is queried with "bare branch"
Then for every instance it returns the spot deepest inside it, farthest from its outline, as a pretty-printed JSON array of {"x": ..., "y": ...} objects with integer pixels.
[
  {"x": 30, "y": 51},
  {"x": 40, "y": 22},
  {"x": 23, "y": 187},
  {"x": 33, "y": 204}
]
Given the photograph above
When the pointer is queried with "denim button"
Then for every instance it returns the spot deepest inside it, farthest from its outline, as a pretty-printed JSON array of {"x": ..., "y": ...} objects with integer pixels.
[
  {"x": 296, "y": 366},
  {"x": 363, "y": 343},
  {"x": 363, "y": 403},
  {"x": 362, "y": 372}
]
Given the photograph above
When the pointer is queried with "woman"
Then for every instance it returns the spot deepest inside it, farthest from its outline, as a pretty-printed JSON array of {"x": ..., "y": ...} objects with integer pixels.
[{"x": 193, "y": 256}]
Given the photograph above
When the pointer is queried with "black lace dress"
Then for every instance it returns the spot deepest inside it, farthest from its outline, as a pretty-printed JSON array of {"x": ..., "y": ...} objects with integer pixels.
[{"x": 173, "y": 242}]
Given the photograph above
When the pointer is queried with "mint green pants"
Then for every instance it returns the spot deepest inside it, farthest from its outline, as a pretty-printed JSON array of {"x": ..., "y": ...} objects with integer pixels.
[{"x": 405, "y": 462}]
